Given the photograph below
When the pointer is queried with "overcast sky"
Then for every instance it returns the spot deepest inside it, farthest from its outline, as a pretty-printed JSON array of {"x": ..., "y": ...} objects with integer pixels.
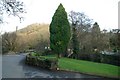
[{"x": 105, "y": 12}]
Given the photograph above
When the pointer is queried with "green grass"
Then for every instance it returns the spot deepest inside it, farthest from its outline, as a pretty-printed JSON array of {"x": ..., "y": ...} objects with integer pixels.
[
  {"x": 33, "y": 54},
  {"x": 88, "y": 67},
  {"x": 51, "y": 57}
]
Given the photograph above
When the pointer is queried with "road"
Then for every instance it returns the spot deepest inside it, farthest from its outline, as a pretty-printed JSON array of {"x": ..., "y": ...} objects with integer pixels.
[{"x": 13, "y": 66}]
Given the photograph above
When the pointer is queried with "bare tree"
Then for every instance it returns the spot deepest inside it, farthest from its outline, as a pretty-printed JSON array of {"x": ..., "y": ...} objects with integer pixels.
[
  {"x": 11, "y": 7},
  {"x": 81, "y": 23},
  {"x": 9, "y": 42}
]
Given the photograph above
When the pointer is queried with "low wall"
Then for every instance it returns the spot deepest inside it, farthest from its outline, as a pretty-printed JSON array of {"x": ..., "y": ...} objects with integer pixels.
[{"x": 42, "y": 62}]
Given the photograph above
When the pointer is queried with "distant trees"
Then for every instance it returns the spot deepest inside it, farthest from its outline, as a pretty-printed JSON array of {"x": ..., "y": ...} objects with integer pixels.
[
  {"x": 104, "y": 40},
  {"x": 89, "y": 39},
  {"x": 41, "y": 44},
  {"x": 115, "y": 39},
  {"x": 96, "y": 35},
  {"x": 89, "y": 36},
  {"x": 35, "y": 36},
  {"x": 59, "y": 31},
  {"x": 8, "y": 42}
]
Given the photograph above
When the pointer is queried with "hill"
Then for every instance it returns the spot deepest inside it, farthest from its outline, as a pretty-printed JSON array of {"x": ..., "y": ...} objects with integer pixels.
[
  {"x": 35, "y": 31},
  {"x": 33, "y": 35}
]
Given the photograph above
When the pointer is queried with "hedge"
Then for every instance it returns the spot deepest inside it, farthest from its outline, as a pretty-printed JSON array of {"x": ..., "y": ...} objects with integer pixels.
[{"x": 42, "y": 61}]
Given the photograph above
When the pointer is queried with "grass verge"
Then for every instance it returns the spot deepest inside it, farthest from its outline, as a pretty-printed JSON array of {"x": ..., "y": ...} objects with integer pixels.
[{"x": 88, "y": 67}]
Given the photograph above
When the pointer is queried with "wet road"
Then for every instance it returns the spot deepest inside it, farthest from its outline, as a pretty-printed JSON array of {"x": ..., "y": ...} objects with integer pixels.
[{"x": 13, "y": 67}]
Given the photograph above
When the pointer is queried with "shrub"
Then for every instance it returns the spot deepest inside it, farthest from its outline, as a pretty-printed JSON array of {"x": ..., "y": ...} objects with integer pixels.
[
  {"x": 101, "y": 58},
  {"x": 84, "y": 56},
  {"x": 111, "y": 59},
  {"x": 95, "y": 57},
  {"x": 42, "y": 61}
]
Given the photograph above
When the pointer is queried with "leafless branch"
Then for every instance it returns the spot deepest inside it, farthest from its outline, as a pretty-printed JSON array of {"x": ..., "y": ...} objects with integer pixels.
[{"x": 12, "y": 7}]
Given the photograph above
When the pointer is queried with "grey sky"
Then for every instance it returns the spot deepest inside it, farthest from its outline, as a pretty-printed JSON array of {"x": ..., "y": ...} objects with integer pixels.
[{"x": 105, "y": 12}]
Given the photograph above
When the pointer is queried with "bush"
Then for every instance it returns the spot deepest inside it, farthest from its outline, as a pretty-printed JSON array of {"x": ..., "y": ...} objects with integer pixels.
[
  {"x": 101, "y": 58},
  {"x": 95, "y": 57},
  {"x": 42, "y": 61},
  {"x": 111, "y": 59},
  {"x": 84, "y": 56},
  {"x": 47, "y": 52}
]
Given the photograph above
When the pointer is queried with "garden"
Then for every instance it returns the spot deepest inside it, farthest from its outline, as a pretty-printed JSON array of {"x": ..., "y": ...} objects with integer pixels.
[{"x": 87, "y": 59}]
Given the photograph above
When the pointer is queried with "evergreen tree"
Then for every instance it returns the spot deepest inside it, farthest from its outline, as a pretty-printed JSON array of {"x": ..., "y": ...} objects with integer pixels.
[
  {"x": 59, "y": 31},
  {"x": 75, "y": 42},
  {"x": 95, "y": 35}
]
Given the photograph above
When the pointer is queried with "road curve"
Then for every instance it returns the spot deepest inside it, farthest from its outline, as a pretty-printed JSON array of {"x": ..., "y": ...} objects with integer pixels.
[{"x": 13, "y": 67}]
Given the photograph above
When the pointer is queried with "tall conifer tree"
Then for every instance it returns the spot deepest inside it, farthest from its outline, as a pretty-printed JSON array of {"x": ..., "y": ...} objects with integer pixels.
[{"x": 59, "y": 31}]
